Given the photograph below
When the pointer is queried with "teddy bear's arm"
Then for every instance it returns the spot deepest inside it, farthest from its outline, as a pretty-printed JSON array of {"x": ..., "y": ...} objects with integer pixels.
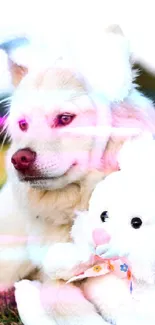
[{"x": 62, "y": 259}]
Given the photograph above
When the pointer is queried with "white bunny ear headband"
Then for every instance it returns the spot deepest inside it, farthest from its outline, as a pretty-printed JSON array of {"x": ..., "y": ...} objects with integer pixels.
[
  {"x": 137, "y": 157},
  {"x": 105, "y": 62}
]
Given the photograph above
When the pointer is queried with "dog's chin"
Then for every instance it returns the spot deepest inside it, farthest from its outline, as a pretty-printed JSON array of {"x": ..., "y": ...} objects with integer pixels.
[
  {"x": 48, "y": 184},
  {"x": 73, "y": 174}
]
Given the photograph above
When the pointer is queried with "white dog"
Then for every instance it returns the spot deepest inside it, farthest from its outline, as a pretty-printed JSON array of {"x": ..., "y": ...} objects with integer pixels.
[{"x": 122, "y": 212}]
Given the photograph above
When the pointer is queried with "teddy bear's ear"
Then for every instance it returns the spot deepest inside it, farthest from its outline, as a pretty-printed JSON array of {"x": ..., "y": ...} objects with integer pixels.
[{"x": 137, "y": 155}]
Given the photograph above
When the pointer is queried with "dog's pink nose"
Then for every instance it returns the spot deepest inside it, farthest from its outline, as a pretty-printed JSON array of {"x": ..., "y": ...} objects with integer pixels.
[
  {"x": 23, "y": 159},
  {"x": 100, "y": 236}
]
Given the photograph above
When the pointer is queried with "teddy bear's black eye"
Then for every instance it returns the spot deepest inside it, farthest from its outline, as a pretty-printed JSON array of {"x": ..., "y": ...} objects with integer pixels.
[
  {"x": 104, "y": 216},
  {"x": 136, "y": 222}
]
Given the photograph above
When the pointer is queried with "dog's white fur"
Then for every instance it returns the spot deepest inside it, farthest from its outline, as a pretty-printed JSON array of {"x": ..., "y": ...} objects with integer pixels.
[
  {"x": 124, "y": 197},
  {"x": 41, "y": 212}
]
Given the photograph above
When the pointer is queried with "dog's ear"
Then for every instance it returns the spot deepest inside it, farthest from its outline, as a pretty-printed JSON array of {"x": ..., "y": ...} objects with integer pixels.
[
  {"x": 17, "y": 72},
  {"x": 17, "y": 69}
]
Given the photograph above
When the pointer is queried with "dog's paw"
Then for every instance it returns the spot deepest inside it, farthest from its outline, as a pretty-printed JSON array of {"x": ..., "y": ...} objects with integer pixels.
[
  {"x": 26, "y": 289},
  {"x": 27, "y": 295},
  {"x": 27, "y": 284},
  {"x": 29, "y": 303}
]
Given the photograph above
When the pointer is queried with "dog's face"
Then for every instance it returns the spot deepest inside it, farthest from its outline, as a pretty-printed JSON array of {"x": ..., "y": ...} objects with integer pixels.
[
  {"x": 45, "y": 153},
  {"x": 125, "y": 211}
]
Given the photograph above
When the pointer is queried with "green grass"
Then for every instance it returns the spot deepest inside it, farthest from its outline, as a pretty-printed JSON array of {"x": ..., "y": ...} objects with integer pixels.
[
  {"x": 9, "y": 316},
  {"x": 8, "y": 310}
]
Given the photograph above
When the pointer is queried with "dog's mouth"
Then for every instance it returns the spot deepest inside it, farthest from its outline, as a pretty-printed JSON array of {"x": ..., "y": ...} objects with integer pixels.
[
  {"x": 37, "y": 179},
  {"x": 34, "y": 179}
]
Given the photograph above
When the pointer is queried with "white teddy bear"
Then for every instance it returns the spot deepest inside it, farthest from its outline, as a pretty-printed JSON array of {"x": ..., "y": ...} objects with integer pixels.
[{"x": 119, "y": 227}]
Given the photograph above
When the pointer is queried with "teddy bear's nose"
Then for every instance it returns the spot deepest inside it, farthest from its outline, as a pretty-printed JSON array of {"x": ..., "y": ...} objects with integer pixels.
[
  {"x": 23, "y": 159},
  {"x": 100, "y": 236}
]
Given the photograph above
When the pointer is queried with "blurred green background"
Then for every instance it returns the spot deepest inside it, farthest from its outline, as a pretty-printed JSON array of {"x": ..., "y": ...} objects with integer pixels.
[{"x": 2, "y": 165}]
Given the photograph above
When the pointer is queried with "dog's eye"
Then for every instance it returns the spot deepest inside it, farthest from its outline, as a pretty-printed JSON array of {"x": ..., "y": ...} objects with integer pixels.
[
  {"x": 23, "y": 125},
  {"x": 136, "y": 222},
  {"x": 104, "y": 216},
  {"x": 64, "y": 119}
]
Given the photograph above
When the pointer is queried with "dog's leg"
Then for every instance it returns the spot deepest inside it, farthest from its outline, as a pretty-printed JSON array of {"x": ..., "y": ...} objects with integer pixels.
[{"x": 14, "y": 259}]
